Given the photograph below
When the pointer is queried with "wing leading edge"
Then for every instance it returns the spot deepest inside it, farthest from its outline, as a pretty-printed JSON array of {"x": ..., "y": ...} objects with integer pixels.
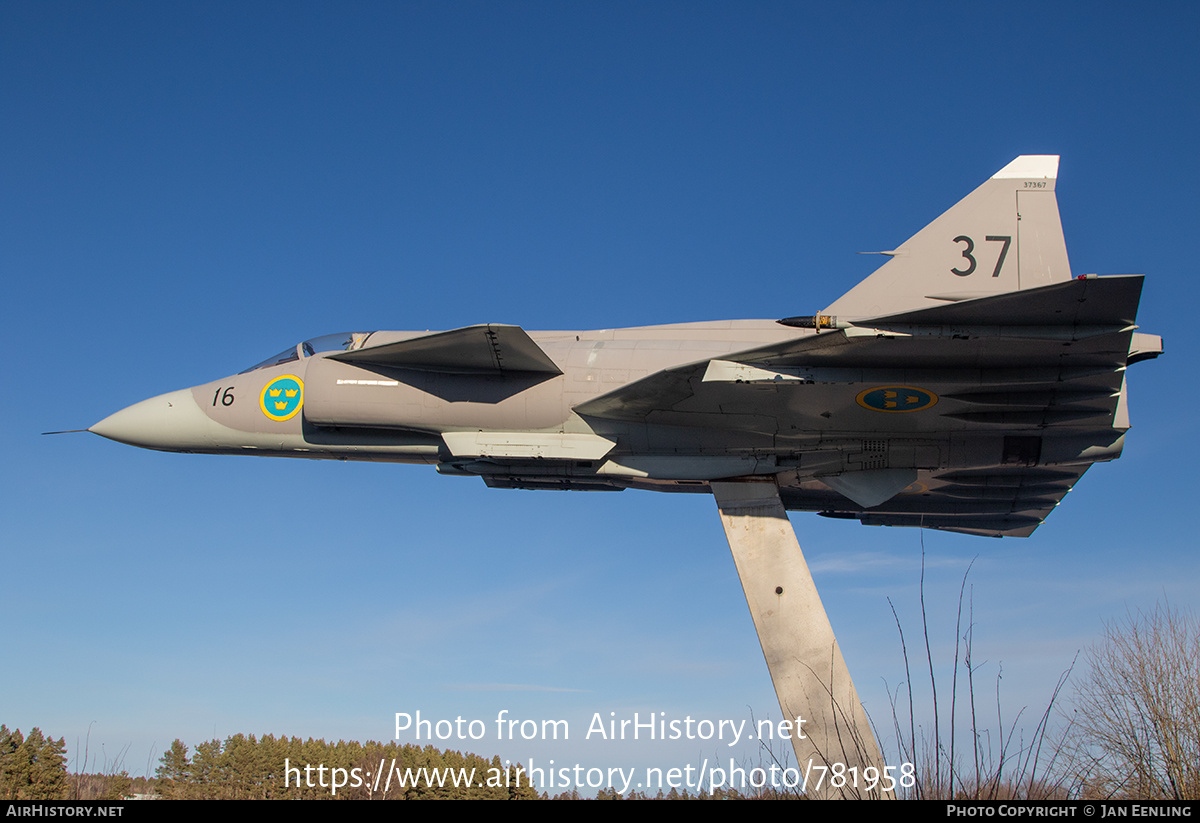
[{"x": 491, "y": 349}]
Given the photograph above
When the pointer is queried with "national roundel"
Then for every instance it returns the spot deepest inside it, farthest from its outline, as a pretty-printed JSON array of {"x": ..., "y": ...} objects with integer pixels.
[
  {"x": 896, "y": 399},
  {"x": 282, "y": 397}
]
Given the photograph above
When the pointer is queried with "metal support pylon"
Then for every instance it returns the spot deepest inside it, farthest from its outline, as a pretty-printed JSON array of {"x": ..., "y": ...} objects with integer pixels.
[{"x": 811, "y": 679}]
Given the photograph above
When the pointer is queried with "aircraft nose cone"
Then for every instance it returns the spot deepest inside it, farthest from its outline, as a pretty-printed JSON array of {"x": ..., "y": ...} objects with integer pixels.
[{"x": 169, "y": 422}]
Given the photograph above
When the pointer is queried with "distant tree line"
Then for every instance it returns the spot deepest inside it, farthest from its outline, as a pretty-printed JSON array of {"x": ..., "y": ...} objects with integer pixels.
[
  {"x": 249, "y": 768},
  {"x": 253, "y": 768}
]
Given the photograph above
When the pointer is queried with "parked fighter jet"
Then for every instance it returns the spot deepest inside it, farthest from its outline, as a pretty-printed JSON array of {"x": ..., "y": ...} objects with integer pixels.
[{"x": 966, "y": 385}]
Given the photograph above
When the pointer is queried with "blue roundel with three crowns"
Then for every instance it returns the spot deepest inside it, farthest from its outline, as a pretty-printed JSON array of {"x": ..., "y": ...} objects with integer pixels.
[
  {"x": 282, "y": 397},
  {"x": 896, "y": 399}
]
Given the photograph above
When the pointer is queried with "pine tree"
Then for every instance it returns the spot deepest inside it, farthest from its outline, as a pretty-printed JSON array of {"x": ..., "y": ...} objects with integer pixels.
[
  {"x": 13, "y": 773},
  {"x": 48, "y": 767},
  {"x": 208, "y": 773},
  {"x": 175, "y": 772}
]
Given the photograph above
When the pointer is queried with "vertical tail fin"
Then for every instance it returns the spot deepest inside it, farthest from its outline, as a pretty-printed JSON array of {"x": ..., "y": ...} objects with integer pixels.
[{"x": 1004, "y": 236}]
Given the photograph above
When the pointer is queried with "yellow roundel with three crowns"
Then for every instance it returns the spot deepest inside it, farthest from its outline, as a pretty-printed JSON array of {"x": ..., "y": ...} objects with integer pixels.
[
  {"x": 896, "y": 399},
  {"x": 282, "y": 397}
]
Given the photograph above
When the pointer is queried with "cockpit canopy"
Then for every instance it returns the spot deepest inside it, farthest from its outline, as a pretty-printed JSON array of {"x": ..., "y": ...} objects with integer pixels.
[{"x": 344, "y": 341}]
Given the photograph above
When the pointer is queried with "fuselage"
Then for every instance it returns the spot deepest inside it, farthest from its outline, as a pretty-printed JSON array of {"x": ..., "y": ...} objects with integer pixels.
[
  {"x": 353, "y": 411},
  {"x": 904, "y": 439}
]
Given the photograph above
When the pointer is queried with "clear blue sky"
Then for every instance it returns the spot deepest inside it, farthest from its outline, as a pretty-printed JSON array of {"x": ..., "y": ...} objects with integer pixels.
[{"x": 189, "y": 187}]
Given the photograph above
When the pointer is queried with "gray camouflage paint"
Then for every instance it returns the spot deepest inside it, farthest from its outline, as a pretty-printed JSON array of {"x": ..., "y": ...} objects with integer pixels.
[{"x": 965, "y": 385}]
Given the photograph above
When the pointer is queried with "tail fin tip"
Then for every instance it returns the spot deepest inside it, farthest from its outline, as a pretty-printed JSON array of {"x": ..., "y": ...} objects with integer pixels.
[{"x": 1030, "y": 166}]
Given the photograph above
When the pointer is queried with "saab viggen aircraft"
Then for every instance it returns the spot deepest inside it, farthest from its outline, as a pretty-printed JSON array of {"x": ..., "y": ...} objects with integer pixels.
[{"x": 965, "y": 385}]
